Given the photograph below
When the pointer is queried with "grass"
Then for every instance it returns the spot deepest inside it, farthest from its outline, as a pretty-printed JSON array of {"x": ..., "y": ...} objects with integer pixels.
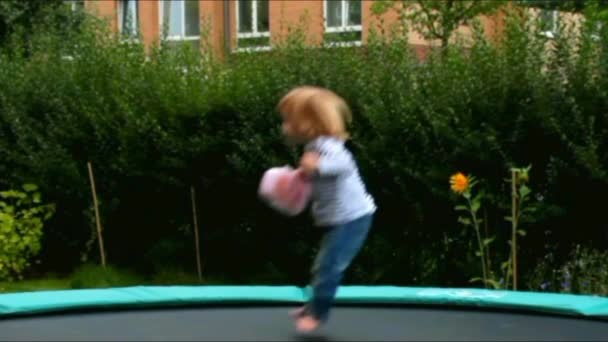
[
  {"x": 94, "y": 276},
  {"x": 35, "y": 285},
  {"x": 167, "y": 276}
]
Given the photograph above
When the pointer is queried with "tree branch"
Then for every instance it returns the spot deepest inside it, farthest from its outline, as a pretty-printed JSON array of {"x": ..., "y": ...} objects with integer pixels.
[{"x": 431, "y": 21}]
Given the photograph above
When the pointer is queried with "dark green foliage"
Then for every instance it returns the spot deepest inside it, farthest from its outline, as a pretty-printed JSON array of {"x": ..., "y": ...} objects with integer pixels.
[
  {"x": 154, "y": 125},
  {"x": 582, "y": 271},
  {"x": 568, "y": 5}
]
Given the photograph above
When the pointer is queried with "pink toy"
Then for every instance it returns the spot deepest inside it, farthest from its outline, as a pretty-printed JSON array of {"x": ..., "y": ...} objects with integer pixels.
[{"x": 286, "y": 190}]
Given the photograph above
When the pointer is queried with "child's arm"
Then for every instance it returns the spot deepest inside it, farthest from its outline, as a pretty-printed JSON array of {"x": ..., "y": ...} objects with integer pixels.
[
  {"x": 338, "y": 163},
  {"x": 309, "y": 163}
]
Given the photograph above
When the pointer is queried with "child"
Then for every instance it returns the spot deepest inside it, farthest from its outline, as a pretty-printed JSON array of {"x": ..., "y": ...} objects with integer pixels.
[{"x": 317, "y": 118}]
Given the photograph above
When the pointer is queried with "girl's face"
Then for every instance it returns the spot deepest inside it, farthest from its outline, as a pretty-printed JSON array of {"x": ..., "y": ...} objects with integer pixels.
[{"x": 295, "y": 131}]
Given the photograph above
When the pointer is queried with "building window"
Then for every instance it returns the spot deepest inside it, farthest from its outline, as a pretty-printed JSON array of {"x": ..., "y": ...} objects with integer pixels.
[
  {"x": 597, "y": 31},
  {"x": 180, "y": 20},
  {"x": 253, "y": 25},
  {"x": 343, "y": 21},
  {"x": 548, "y": 22},
  {"x": 128, "y": 18},
  {"x": 76, "y": 5}
]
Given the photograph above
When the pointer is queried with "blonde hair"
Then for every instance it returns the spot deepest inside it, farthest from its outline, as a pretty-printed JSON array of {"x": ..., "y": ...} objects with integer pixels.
[{"x": 327, "y": 113}]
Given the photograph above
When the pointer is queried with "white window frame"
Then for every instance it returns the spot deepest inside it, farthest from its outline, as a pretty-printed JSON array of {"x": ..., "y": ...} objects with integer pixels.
[
  {"x": 182, "y": 36},
  {"x": 552, "y": 31},
  {"x": 344, "y": 27},
  {"x": 74, "y": 3},
  {"x": 254, "y": 28},
  {"x": 254, "y": 22},
  {"x": 121, "y": 16},
  {"x": 598, "y": 27},
  {"x": 73, "y": 7}
]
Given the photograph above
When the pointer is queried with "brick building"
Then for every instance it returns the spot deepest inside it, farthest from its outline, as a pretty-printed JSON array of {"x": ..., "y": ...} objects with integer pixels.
[{"x": 234, "y": 25}]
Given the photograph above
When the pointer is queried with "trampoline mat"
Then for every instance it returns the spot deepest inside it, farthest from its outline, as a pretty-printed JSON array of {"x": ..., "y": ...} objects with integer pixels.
[{"x": 274, "y": 324}]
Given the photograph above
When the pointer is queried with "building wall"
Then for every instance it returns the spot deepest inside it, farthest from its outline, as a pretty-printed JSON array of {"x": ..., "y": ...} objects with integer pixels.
[
  {"x": 148, "y": 12},
  {"x": 282, "y": 14},
  {"x": 105, "y": 9}
]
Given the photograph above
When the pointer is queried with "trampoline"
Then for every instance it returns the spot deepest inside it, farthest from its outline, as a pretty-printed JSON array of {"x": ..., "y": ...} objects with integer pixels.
[{"x": 259, "y": 313}]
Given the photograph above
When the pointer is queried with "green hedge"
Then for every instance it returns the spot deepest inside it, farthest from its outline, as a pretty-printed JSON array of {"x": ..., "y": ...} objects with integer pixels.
[{"x": 155, "y": 124}]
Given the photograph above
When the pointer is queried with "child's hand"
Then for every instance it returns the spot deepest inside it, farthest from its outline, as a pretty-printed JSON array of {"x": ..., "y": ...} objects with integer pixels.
[{"x": 309, "y": 162}]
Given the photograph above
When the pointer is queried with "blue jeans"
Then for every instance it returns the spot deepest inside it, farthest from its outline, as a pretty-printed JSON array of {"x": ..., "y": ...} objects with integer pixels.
[{"x": 340, "y": 245}]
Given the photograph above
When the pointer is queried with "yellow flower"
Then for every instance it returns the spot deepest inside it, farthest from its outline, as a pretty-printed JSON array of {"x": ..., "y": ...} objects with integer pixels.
[{"x": 459, "y": 183}]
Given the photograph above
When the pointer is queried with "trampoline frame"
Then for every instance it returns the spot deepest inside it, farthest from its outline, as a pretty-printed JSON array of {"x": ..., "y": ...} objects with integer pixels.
[
  {"x": 401, "y": 313},
  {"x": 146, "y": 297}
]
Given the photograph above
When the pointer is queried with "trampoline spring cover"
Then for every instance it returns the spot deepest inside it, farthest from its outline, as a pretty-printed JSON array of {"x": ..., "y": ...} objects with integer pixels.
[{"x": 142, "y": 296}]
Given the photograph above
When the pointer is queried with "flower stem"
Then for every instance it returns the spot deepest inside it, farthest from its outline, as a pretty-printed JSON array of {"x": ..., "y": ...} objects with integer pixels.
[
  {"x": 481, "y": 248},
  {"x": 487, "y": 250},
  {"x": 514, "y": 219}
]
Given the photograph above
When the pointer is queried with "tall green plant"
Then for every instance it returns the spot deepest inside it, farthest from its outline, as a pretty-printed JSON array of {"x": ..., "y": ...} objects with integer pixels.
[
  {"x": 463, "y": 186},
  {"x": 520, "y": 194}
]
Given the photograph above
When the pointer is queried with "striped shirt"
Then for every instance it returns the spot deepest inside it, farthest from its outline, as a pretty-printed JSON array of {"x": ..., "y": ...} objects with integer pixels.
[{"x": 339, "y": 194}]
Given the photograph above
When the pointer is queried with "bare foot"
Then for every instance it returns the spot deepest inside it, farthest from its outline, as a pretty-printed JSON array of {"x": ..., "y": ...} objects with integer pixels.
[
  {"x": 299, "y": 312},
  {"x": 307, "y": 324}
]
